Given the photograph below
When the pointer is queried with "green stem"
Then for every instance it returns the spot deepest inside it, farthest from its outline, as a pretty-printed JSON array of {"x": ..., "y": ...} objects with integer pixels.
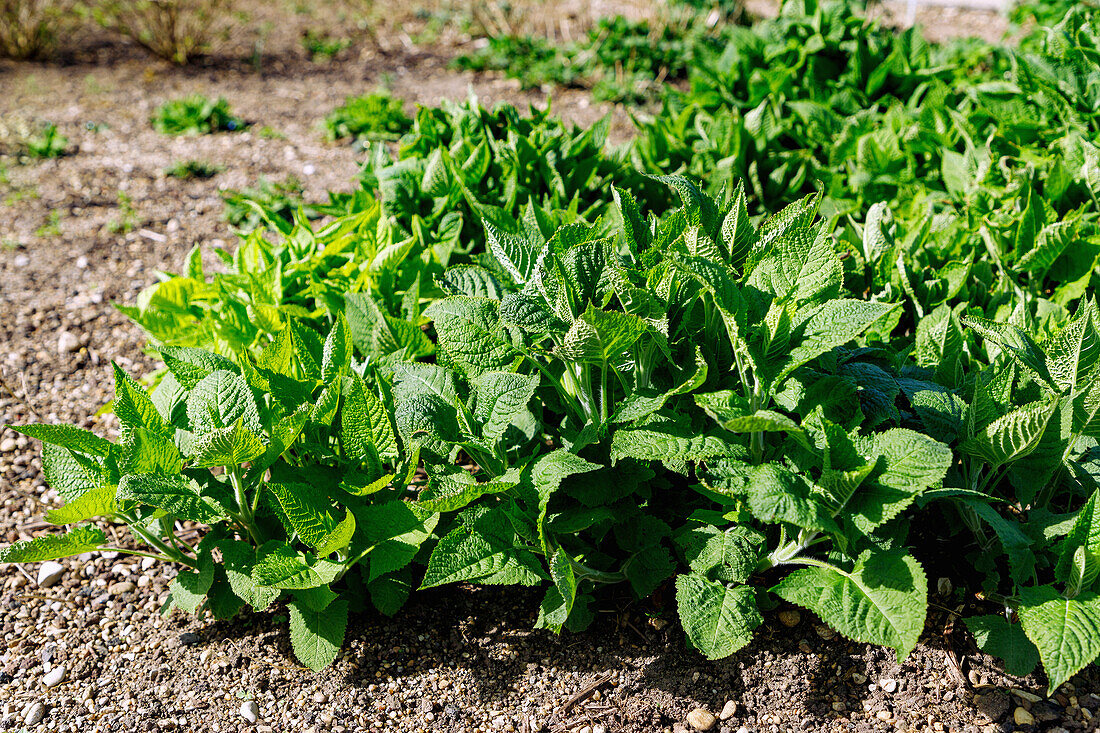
[
  {"x": 246, "y": 508},
  {"x": 169, "y": 552}
]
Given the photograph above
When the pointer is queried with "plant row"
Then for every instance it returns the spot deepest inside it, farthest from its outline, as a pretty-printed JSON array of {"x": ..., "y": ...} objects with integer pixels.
[{"x": 515, "y": 356}]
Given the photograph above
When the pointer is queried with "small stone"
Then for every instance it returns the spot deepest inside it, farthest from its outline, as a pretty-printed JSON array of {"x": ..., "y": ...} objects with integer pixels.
[
  {"x": 728, "y": 710},
  {"x": 33, "y": 713},
  {"x": 54, "y": 677},
  {"x": 790, "y": 617},
  {"x": 189, "y": 639},
  {"x": 1025, "y": 695},
  {"x": 67, "y": 343},
  {"x": 825, "y": 632},
  {"x": 49, "y": 573},
  {"x": 974, "y": 677},
  {"x": 147, "y": 563},
  {"x": 1023, "y": 717},
  {"x": 884, "y": 715},
  {"x": 888, "y": 686},
  {"x": 250, "y": 711},
  {"x": 701, "y": 719},
  {"x": 858, "y": 678},
  {"x": 995, "y": 705},
  {"x": 8, "y": 445},
  {"x": 839, "y": 706},
  {"x": 21, "y": 261},
  {"x": 120, "y": 589},
  {"x": 743, "y": 729},
  {"x": 944, "y": 586}
]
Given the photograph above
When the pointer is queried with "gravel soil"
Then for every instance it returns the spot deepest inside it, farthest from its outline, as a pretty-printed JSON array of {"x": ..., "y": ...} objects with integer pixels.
[{"x": 91, "y": 652}]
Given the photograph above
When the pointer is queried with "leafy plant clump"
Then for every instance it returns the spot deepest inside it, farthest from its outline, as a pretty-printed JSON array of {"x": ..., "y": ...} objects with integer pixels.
[
  {"x": 174, "y": 30},
  {"x": 188, "y": 169},
  {"x": 195, "y": 115},
  {"x": 370, "y": 117},
  {"x": 29, "y": 28}
]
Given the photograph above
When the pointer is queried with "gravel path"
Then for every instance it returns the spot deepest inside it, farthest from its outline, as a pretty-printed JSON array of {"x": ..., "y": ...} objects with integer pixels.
[{"x": 86, "y": 649}]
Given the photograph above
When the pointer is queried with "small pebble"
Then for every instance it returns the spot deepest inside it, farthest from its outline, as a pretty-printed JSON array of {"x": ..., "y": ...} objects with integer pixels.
[
  {"x": 884, "y": 715},
  {"x": 858, "y": 678},
  {"x": 888, "y": 685},
  {"x": 790, "y": 617},
  {"x": 34, "y": 713},
  {"x": 1023, "y": 717},
  {"x": 701, "y": 719},
  {"x": 8, "y": 445},
  {"x": 728, "y": 710},
  {"x": 49, "y": 573},
  {"x": 67, "y": 343},
  {"x": 54, "y": 677},
  {"x": 119, "y": 589},
  {"x": 250, "y": 711}
]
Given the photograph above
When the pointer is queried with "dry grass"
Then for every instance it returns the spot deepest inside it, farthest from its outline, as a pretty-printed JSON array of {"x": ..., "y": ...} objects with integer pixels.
[{"x": 29, "y": 28}]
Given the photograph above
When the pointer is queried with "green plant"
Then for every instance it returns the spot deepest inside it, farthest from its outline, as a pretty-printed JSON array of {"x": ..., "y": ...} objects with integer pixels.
[
  {"x": 52, "y": 227},
  {"x": 249, "y": 208},
  {"x": 371, "y": 117},
  {"x": 174, "y": 30},
  {"x": 321, "y": 46},
  {"x": 128, "y": 218},
  {"x": 193, "y": 169},
  {"x": 293, "y": 497},
  {"x": 29, "y": 28},
  {"x": 47, "y": 142},
  {"x": 195, "y": 115}
]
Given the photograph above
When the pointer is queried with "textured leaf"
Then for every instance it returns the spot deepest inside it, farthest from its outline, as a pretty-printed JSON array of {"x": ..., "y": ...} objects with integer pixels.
[
  {"x": 500, "y": 398},
  {"x": 365, "y": 424},
  {"x": 882, "y": 600},
  {"x": 729, "y": 556},
  {"x": 995, "y": 636},
  {"x": 317, "y": 636},
  {"x": 1012, "y": 436},
  {"x": 67, "y": 436},
  {"x": 599, "y": 336},
  {"x": 176, "y": 494},
  {"x": 1066, "y": 631},
  {"x": 307, "y": 510},
  {"x": 718, "y": 619},
  {"x": 278, "y": 565},
  {"x": 238, "y": 559},
  {"x": 906, "y": 463},
  {"x": 219, "y": 401},
  {"x": 673, "y": 444},
  {"x": 777, "y": 494},
  {"x": 133, "y": 406},
  {"x": 189, "y": 588},
  {"x": 484, "y": 548},
  {"x": 834, "y": 324},
  {"x": 95, "y": 503},
  {"x": 230, "y": 446},
  {"x": 471, "y": 338},
  {"x": 53, "y": 546}
]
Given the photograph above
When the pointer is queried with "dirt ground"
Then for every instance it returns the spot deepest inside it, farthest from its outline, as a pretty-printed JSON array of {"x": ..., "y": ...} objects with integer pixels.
[{"x": 94, "y": 227}]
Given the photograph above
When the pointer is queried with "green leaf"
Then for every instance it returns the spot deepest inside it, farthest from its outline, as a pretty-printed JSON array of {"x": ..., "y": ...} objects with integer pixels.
[
  {"x": 500, "y": 398},
  {"x": 230, "y": 446},
  {"x": 337, "y": 353},
  {"x": 996, "y": 636},
  {"x": 718, "y": 619},
  {"x": 1085, "y": 534},
  {"x": 95, "y": 503},
  {"x": 777, "y": 494},
  {"x": 906, "y": 463},
  {"x": 176, "y": 494},
  {"x": 484, "y": 548},
  {"x": 219, "y": 401},
  {"x": 133, "y": 406},
  {"x": 882, "y": 600},
  {"x": 317, "y": 636},
  {"x": 278, "y": 565},
  {"x": 389, "y": 592},
  {"x": 1016, "y": 342},
  {"x": 53, "y": 546},
  {"x": 239, "y": 559},
  {"x": 390, "y": 534},
  {"x": 450, "y": 492},
  {"x": 471, "y": 338},
  {"x": 1066, "y": 631},
  {"x": 307, "y": 510},
  {"x": 67, "y": 436},
  {"x": 1012, "y": 436},
  {"x": 189, "y": 588},
  {"x": 822, "y": 329},
  {"x": 729, "y": 556},
  {"x": 365, "y": 424},
  {"x": 599, "y": 336},
  {"x": 674, "y": 444}
]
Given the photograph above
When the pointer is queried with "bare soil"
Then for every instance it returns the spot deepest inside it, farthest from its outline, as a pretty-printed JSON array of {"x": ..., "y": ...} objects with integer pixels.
[{"x": 457, "y": 659}]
